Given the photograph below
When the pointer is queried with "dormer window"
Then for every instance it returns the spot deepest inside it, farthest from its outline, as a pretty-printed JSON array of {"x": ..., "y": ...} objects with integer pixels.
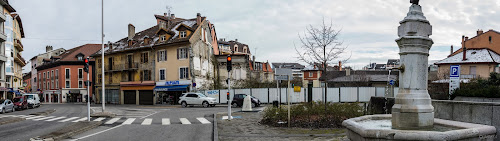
[
  {"x": 183, "y": 34},
  {"x": 163, "y": 38},
  {"x": 130, "y": 43},
  {"x": 235, "y": 49},
  {"x": 146, "y": 40},
  {"x": 80, "y": 58}
]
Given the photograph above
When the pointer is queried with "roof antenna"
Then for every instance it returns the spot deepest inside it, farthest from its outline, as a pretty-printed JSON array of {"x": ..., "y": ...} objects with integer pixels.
[{"x": 169, "y": 8}]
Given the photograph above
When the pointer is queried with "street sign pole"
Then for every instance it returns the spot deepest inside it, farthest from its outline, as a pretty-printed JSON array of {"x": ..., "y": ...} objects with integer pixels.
[
  {"x": 454, "y": 79},
  {"x": 230, "y": 99},
  {"x": 288, "y": 101}
]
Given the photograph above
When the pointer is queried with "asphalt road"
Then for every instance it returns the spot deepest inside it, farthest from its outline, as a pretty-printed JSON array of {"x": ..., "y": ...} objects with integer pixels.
[
  {"x": 24, "y": 130},
  {"x": 156, "y": 131}
]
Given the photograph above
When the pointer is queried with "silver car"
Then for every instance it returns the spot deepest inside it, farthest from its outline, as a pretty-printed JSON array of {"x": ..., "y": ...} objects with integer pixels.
[{"x": 6, "y": 105}]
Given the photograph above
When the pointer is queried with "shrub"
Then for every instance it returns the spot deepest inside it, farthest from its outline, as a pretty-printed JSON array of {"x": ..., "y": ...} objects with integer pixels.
[
  {"x": 489, "y": 88},
  {"x": 312, "y": 115}
]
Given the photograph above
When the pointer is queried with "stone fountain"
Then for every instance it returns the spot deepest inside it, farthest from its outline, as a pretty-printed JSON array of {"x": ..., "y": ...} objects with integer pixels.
[{"x": 412, "y": 114}]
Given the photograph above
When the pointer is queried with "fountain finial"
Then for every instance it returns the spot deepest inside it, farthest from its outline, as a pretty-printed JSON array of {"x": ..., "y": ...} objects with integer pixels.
[{"x": 414, "y": 1}]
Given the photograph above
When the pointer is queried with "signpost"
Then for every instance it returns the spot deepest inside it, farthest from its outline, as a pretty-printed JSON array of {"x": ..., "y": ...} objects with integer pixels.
[{"x": 454, "y": 78}]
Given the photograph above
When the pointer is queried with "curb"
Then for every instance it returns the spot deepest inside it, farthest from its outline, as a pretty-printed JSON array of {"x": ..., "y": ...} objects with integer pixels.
[
  {"x": 93, "y": 124},
  {"x": 44, "y": 113},
  {"x": 11, "y": 121},
  {"x": 216, "y": 132}
]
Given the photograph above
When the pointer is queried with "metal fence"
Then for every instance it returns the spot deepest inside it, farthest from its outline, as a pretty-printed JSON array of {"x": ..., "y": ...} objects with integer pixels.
[{"x": 342, "y": 94}]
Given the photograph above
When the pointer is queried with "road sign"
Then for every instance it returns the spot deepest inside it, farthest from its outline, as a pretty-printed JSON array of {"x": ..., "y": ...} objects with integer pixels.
[
  {"x": 194, "y": 84},
  {"x": 391, "y": 82},
  {"x": 281, "y": 77},
  {"x": 454, "y": 78}
]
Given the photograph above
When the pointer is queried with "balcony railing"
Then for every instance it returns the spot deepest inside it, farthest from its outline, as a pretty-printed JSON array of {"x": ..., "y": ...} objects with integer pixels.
[
  {"x": 468, "y": 76},
  {"x": 124, "y": 67},
  {"x": 19, "y": 59},
  {"x": 18, "y": 45}
]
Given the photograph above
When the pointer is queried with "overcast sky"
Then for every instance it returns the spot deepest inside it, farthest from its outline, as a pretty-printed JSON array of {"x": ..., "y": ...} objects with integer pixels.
[{"x": 269, "y": 27}]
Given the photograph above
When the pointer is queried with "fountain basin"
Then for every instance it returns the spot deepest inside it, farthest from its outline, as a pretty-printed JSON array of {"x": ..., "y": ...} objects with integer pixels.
[{"x": 378, "y": 128}]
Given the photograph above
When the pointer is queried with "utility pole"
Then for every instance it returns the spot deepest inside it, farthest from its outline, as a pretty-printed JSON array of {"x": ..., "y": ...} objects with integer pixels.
[
  {"x": 288, "y": 100},
  {"x": 103, "y": 97},
  {"x": 229, "y": 66}
]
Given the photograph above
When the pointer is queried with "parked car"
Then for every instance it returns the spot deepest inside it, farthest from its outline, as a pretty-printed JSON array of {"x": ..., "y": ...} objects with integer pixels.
[
  {"x": 6, "y": 105},
  {"x": 21, "y": 102},
  {"x": 196, "y": 99},
  {"x": 33, "y": 100},
  {"x": 239, "y": 98}
]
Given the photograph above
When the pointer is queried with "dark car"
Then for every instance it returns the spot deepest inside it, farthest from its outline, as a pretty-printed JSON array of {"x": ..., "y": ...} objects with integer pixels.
[
  {"x": 21, "y": 102},
  {"x": 238, "y": 100}
]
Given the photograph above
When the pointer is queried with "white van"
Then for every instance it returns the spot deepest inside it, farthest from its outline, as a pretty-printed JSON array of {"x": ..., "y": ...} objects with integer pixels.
[{"x": 33, "y": 100}]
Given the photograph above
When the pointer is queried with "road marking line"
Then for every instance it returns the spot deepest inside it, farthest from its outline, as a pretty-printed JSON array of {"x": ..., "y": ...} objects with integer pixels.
[
  {"x": 112, "y": 121},
  {"x": 129, "y": 121},
  {"x": 82, "y": 119},
  {"x": 147, "y": 121},
  {"x": 99, "y": 119},
  {"x": 165, "y": 121},
  {"x": 97, "y": 133},
  {"x": 55, "y": 119},
  {"x": 148, "y": 115},
  {"x": 203, "y": 120},
  {"x": 44, "y": 118},
  {"x": 35, "y": 117},
  {"x": 68, "y": 119},
  {"x": 185, "y": 121}
]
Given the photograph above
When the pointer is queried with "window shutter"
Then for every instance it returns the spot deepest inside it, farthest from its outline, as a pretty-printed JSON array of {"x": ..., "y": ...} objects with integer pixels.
[
  {"x": 158, "y": 56},
  {"x": 165, "y": 55},
  {"x": 177, "y": 54},
  {"x": 142, "y": 58}
]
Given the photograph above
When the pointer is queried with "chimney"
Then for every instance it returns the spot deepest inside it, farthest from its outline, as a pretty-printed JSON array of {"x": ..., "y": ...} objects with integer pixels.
[
  {"x": 464, "y": 49},
  {"x": 198, "y": 19},
  {"x": 340, "y": 66},
  {"x": 131, "y": 31},
  {"x": 236, "y": 40},
  {"x": 451, "y": 51},
  {"x": 48, "y": 48},
  {"x": 466, "y": 38},
  {"x": 347, "y": 72},
  {"x": 172, "y": 16},
  {"x": 479, "y": 32},
  {"x": 165, "y": 14},
  {"x": 110, "y": 45}
]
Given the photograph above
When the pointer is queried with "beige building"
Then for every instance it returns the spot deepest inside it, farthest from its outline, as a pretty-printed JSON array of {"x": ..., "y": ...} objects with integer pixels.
[{"x": 474, "y": 63}]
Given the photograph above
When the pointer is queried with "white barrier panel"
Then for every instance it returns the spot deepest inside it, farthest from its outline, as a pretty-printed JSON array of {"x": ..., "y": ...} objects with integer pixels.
[
  {"x": 317, "y": 94},
  {"x": 261, "y": 94},
  {"x": 223, "y": 96},
  {"x": 213, "y": 93},
  {"x": 273, "y": 94},
  {"x": 242, "y": 91},
  {"x": 333, "y": 95},
  {"x": 396, "y": 91},
  {"x": 283, "y": 95},
  {"x": 365, "y": 93},
  {"x": 348, "y": 94},
  {"x": 380, "y": 91}
]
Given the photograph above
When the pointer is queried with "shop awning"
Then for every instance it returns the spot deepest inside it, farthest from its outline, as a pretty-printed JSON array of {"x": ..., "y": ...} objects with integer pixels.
[{"x": 171, "y": 88}]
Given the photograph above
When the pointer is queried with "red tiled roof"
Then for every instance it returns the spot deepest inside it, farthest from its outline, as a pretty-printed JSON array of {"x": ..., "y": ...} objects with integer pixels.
[{"x": 86, "y": 50}]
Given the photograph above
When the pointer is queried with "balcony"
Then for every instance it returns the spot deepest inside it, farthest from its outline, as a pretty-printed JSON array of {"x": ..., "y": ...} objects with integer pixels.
[
  {"x": 18, "y": 45},
  {"x": 131, "y": 66},
  {"x": 124, "y": 67},
  {"x": 19, "y": 59}
]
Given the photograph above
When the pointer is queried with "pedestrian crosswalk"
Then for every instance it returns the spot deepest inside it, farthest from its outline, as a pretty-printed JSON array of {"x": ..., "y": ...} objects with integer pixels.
[{"x": 117, "y": 120}]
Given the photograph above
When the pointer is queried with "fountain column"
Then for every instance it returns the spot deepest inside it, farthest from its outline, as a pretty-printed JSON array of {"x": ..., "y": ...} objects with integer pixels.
[{"x": 412, "y": 108}]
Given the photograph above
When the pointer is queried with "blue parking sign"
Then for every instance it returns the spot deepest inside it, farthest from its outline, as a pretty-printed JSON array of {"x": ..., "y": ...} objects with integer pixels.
[
  {"x": 391, "y": 82},
  {"x": 455, "y": 71}
]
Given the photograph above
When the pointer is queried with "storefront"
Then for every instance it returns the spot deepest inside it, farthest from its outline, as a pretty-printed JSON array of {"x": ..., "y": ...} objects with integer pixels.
[
  {"x": 139, "y": 93},
  {"x": 3, "y": 92},
  {"x": 168, "y": 92},
  {"x": 74, "y": 95},
  {"x": 52, "y": 96}
]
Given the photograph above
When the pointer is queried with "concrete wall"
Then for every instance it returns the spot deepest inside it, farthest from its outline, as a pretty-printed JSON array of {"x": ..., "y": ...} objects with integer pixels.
[
  {"x": 476, "y": 99},
  {"x": 487, "y": 113}
]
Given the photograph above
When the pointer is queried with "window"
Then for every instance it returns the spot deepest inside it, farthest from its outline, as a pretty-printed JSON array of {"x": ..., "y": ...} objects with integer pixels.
[
  {"x": 244, "y": 50},
  {"x": 67, "y": 74},
  {"x": 80, "y": 58},
  {"x": 99, "y": 63},
  {"x": 110, "y": 78},
  {"x": 162, "y": 74},
  {"x": 162, "y": 55},
  {"x": 146, "y": 75},
  {"x": 80, "y": 73},
  {"x": 183, "y": 73},
  {"x": 52, "y": 75},
  {"x": 44, "y": 86},
  {"x": 57, "y": 74},
  {"x": 67, "y": 84},
  {"x": 163, "y": 38},
  {"x": 34, "y": 79},
  {"x": 99, "y": 79},
  {"x": 44, "y": 77},
  {"x": 310, "y": 74},
  {"x": 183, "y": 34},
  {"x": 144, "y": 57},
  {"x": 182, "y": 53},
  {"x": 235, "y": 49},
  {"x": 48, "y": 84},
  {"x": 57, "y": 84},
  {"x": 472, "y": 70},
  {"x": 203, "y": 34},
  {"x": 80, "y": 84}
]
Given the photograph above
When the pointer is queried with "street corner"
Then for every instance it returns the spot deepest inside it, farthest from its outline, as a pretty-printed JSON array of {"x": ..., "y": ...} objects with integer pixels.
[
  {"x": 68, "y": 131},
  {"x": 8, "y": 120}
]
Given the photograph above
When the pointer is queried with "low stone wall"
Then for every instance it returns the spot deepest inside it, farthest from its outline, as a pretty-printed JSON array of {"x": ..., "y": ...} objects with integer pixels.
[{"x": 476, "y": 99}]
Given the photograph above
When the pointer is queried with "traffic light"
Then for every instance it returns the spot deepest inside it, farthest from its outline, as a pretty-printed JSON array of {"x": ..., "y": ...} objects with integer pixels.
[
  {"x": 229, "y": 64},
  {"x": 227, "y": 95},
  {"x": 88, "y": 83},
  {"x": 86, "y": 65}
]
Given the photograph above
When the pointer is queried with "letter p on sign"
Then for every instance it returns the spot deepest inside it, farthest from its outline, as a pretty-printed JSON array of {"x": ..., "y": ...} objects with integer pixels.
[{"x": 455, "y": 71}]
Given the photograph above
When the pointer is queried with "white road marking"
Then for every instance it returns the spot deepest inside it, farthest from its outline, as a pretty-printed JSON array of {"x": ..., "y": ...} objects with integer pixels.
[
  {"x": 97, "y": 132},
  {"x": 68, "y": 119},
  {"x": 35, "y": 117},
  {"x": 54, "y": 119},
  {"x": 112, "y": 121},
  {"x": 147, "y": 121},
  {"x": 225, "y": 117},
  {"x": 82, "y": 119},
  {"x": 129, "y": 121},
  {"x": 203, "y": 120},
  {"x": 149, "y": 115},
  {"x": 165, "y": 121},
  {"x": 184, "y": 121},
  {"x": 99, "y": 119},
  {"x": 44, "y": 118}
]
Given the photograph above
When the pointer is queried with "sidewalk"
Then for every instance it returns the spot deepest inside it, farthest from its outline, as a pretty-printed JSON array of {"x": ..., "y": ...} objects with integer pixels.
[{"x": 246, "y": 127}]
